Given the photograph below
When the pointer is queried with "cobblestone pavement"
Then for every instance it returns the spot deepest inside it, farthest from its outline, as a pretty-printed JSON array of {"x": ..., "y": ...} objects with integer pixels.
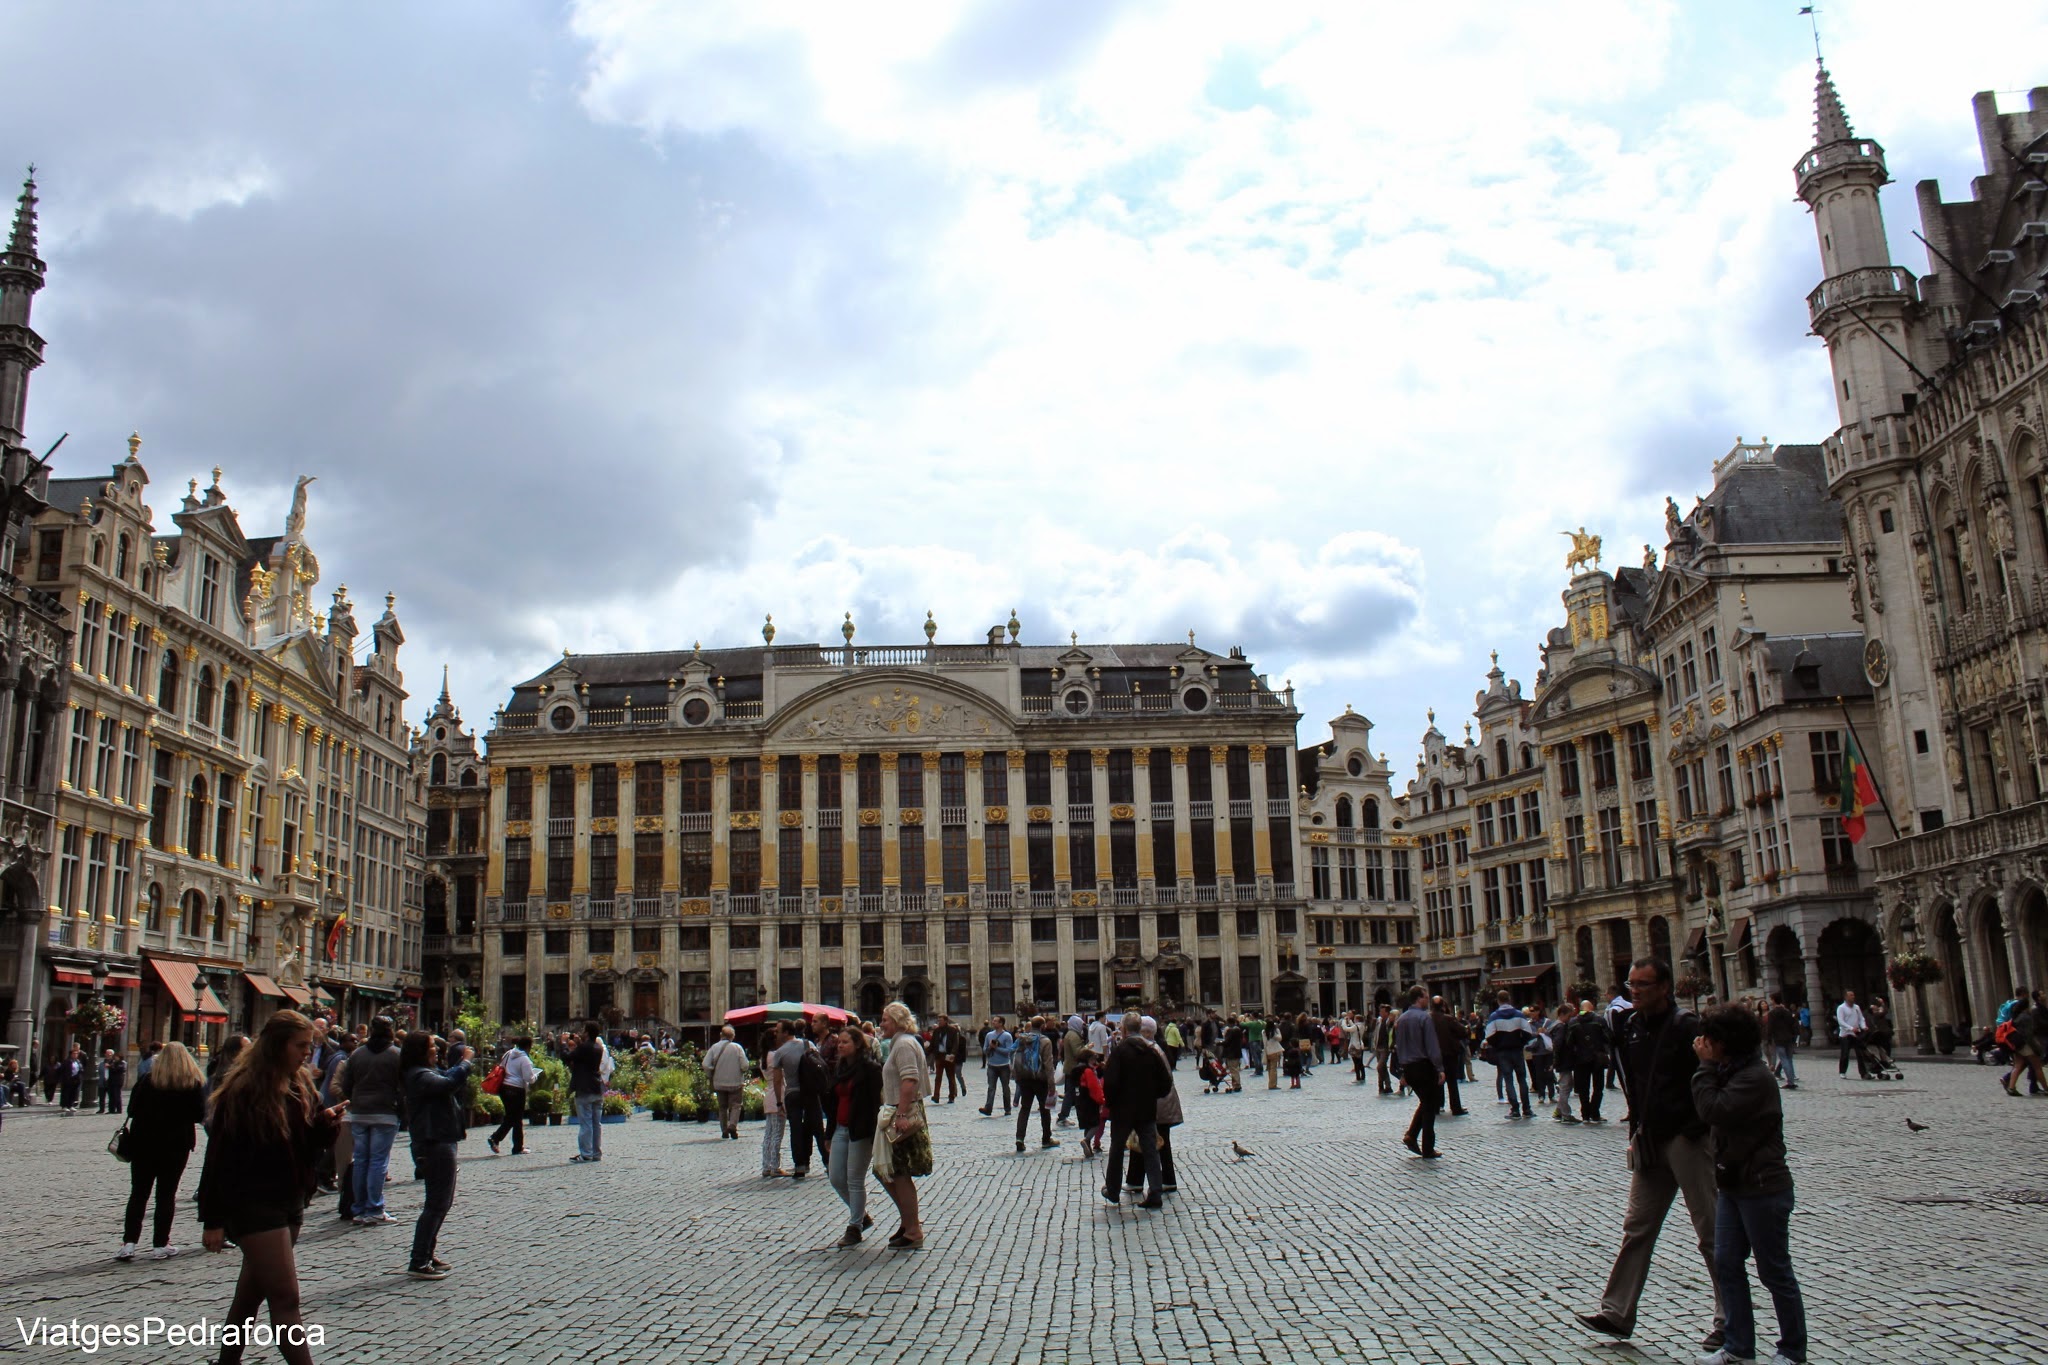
[{"x": 1330, "y": 1243}]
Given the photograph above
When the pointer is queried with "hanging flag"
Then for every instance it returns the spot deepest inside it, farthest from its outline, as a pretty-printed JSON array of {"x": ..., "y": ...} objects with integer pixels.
[
  {"x": 1858, "y": 792},
  {"x": 334, "y": 934}
]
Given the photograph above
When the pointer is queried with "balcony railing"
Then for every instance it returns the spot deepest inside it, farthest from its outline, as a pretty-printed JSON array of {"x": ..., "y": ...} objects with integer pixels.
[
  {"x": 868, "y": 905},
  {"x": 1124, "y": 895},
  {"x": 1206, "y": 895},
  {"x": 739, "y": 905},
  {"x": 1081, "y": 813},
  {"x": 1279, "y": 808},
  {"x": 1857, "y": 286},
  {"x": 829, "y": 818},
  {"x": 1045, "y": 900},
  {"x": 998, "y": 900},
  {"x": 597, "y": 908},
  {"x": 1201, "y": 810},
  {"x": 952, "y": 815},
  {"x": 883, "y": 656},
  {"x": 694, "y": 822},
  {"x": 649, "y": 907},
  {"x": 512, "y": 912},
  {"x": 1240, "y": 810},
  {"x": 790, "y": 902},
  {"x": 1162, "y": 812},
  {"x": 2020, "y": 830},
  {"x": 561, "y": 825}
]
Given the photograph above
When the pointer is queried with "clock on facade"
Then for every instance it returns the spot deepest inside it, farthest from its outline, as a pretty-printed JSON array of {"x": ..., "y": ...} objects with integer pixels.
[{"x": 1877, "y": 664}]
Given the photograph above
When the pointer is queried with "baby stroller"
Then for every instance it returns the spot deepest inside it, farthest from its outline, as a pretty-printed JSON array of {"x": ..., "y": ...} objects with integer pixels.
[
  {"x": 1214, "y": 1074},
  {"x": 1875, "y": 1057}
]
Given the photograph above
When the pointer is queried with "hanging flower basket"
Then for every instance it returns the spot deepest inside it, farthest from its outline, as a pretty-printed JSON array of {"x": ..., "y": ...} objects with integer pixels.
[
  {"x": 93, "y": 1018},
  {"x": 1692, "y": 985},
  {"x": 1913, "y": 969}
]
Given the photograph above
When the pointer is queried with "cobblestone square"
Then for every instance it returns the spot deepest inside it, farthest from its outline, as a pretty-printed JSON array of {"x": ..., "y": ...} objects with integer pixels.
[{"x": 1330, "y": 1243}]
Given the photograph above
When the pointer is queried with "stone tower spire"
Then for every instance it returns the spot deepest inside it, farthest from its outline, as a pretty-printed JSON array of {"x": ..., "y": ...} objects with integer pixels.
[
  {"x": 21, "y": 350},
  {"x": 1830, "y": 120}
]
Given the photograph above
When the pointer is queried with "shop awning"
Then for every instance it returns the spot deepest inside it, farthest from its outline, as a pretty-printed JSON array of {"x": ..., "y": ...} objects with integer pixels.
[
  {"x": 1521, "y": 976},
  {"x": 1693, "y": 942},
  {"x": 181, "y": 982},
  {"x": 264, "y": 985},
  {"x": 116, "y": 981},
  {"x": 1738, "y": 936},
  {"x": 320, "y": 996},
  {"x": 378, "y": 992},
  {"x": 297, "y": 996}
]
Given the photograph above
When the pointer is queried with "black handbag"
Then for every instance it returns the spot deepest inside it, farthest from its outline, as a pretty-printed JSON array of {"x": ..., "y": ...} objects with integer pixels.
[{"x": 118, "y": 1146}]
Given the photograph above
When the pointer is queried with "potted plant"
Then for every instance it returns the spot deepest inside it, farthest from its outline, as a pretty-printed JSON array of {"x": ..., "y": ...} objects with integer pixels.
[
  {"x": 618, "y": 1107},
  {"x": 1694, "y": 985},
  {"x": 94, "y": 1019},
  {"x": 1918, "y": 970},
  {"x": 487, "y": 1109}
]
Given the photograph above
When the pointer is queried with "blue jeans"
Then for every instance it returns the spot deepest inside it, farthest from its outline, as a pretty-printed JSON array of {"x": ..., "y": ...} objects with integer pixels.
[
  {"x": 847, "y": 1168},
  {"x": 371, "y": 1160},
  {"x": 1784, "y": 1055},
  {"x": 589, "y": 1109},
  {"x": 1513, "y": 1070},
  {"x": 1761, "y": 1223}
]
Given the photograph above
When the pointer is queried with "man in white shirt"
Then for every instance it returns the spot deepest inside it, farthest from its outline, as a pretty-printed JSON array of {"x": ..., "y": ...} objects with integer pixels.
[
  {"x": 520, "y": 1074},
  {"x": 1849, "y": 1026}
]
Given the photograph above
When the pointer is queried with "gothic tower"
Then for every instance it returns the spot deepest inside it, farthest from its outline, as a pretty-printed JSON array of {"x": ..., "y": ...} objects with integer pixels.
[
  {"x": 21, "y": 350},
  {"x": 1867, "y": 311}
]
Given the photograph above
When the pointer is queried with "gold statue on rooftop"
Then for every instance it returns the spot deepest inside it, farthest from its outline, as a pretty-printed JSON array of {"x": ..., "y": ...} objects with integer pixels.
[{"x": 1585, "y": 550}]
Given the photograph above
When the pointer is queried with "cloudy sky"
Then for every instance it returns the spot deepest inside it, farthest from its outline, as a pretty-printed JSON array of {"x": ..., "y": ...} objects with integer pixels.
[{"x": 618, "y": 324}]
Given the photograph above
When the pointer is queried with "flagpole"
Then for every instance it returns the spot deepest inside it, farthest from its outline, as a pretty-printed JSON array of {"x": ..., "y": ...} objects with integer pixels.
[{"x": 1882, "y": 800}]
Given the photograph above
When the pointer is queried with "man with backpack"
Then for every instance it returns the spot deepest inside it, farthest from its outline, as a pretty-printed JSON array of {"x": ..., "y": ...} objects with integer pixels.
[
  {"x": 803, "y": 1093},
  {"x": 1031, "y": 1067}
]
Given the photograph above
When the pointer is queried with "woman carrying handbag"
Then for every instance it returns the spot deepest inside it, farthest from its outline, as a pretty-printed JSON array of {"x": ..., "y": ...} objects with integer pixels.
[
  {"x": 1169, "y": 1117},
  {"x": 164, "y": 1112},
  {"x": 903, "y": 1144}
]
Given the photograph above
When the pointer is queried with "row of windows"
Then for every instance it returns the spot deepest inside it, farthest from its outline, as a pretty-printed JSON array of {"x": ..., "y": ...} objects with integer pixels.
[
  {"x": 1347, "y": 885},
  {"x": 1603, "y": 757},
  {"x": 784, "y": 776},
  {"x": 1498, "y": 822}
]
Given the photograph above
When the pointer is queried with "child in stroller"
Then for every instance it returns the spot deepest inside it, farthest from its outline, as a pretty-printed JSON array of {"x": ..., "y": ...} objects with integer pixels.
[
  {"x": 1874, "y": 1055},
  {"x": 1214, "y": 1075}
]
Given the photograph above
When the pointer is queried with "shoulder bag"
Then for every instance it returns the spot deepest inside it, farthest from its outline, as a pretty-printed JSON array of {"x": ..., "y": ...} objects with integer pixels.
[{"x": 119, "y": 1146}]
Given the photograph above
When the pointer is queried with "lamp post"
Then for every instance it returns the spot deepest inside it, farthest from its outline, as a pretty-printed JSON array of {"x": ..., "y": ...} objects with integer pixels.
[{"x": 90, "y": 1091}]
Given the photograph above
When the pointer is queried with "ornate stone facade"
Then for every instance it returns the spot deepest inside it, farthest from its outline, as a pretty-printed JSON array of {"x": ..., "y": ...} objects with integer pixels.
[{"x": 1361, "y": 873}]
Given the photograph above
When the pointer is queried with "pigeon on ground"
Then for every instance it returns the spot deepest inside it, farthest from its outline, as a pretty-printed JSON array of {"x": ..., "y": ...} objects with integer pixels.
[
  {"x": 1241, "y": 1150},
  {"x": 1916, "y": 1127}
]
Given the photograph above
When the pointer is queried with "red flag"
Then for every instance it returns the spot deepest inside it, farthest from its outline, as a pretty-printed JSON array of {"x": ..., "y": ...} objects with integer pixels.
[
  {"x": 1858, "y": 791},
  {"x": 334, "y": 934}
]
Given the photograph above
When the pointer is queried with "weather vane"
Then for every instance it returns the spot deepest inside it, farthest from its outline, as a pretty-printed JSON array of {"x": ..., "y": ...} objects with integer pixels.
[{"x": 1812, "y": 16}]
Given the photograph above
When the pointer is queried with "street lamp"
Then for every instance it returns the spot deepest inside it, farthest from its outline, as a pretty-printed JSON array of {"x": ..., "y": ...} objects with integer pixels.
[{"x": 90, "y": 1093}]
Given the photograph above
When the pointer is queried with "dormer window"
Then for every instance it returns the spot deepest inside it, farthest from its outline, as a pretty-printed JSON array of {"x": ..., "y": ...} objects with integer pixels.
[
  {"x": 121, "y": 547},
  {"x": 209, "y": 590}
]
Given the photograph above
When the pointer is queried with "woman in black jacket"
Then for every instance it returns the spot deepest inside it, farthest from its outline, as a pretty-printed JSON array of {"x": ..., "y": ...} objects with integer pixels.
[
  {"x": 164, "y": 1111},
  {"x": 1737, "y": 1098},
  {"x": 434, "y": 1104},
  {"x": 263, "y": 1137},
  {"x": 851, "y": 1108}
]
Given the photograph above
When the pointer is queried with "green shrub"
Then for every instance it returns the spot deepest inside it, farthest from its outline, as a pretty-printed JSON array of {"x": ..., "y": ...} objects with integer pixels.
[
  {"x": 491, "y": 1107},
  {"x": 685, "y": 1108},
  {"x": 752, "y": 1104},
  {"x": 617, "y": 1103}
]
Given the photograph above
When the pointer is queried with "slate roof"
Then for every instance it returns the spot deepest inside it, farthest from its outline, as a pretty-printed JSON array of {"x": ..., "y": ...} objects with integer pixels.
[
  {"x": 67, "y": 495},
  {"x": 1840, "y": 658},
  {"x": 1782, "y": 501}
]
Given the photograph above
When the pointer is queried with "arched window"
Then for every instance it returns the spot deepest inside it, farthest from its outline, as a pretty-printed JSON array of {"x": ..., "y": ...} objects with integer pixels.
[
  {"x": 1479, "y": 769},
  {"x": 1436, "y": 796},
  {"x": 220, "y": 919},
  {"x": 99, "y": 551},
  {"x": 230, "y": 710},
  {"x": 153, "y": 908},
  {"x": 1372, "y": 813},
  {"x": 469, "y": 777},
  {"x": 196, "y": 806},
  {"x": 194, "y": 914},
  {"x": 167, "y": 682},
  {"x": 438, "y": 771},
  {"x": 1500, "y": 757},
  {"x": 203, "y": 697},
  {"x": 1755, "y": 705},
  {"x": 1528, "y": 758},
  {"x": 1343, "y": 812},
  {"x": 121, "y": 557}
]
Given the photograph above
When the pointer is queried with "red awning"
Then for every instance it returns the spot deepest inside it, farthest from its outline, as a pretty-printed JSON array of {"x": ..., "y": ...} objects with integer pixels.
[
  {"x": 263, "y": 984},
  {"x": 297, "y": 996},
  {"x": 115, "y": 980},
  {"x": 1521, "y": 976},
  {"x": 180, "y": 980}
]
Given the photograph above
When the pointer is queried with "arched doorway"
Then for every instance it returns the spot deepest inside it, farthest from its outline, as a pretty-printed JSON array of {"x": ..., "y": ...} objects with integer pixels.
[
  {"x": 914, "y": 996},
  {"x": 1660, "y": 938},
  {"x": 872, "y": 998},
  {"x": 1997, "y": 962},
  {"x": 1851, "y": 959},
  {"x": 1948, "y": 950},
  {"x": 1788, "y": 968},
  {"x": 2033, "y": 927}
]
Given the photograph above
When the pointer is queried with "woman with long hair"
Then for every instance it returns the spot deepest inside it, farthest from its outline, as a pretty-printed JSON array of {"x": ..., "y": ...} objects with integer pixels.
[
  {"x": 167, "y": 1106},
  {"x": 852, "y": 1107},
  {"x": 900, "y": 1132},
  {"x": 266, "y": 1131}
]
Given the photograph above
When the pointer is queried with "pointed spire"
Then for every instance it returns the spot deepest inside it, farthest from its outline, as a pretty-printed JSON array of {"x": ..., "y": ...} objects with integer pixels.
[
  {"x": 23, "y": 239},
  {"x": 1830, "y": 121},
  {"x": 444, "y": 685}
]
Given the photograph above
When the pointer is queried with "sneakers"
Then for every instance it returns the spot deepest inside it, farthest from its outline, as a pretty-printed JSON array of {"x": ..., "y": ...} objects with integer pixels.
[
  {"x": 1564, "y": 1118},
  {"x": 493, "y": 1145},
  {"x": 163, "y": 1253},
  {"x": 371, "y": 1220},
  {"x": 1722, "y": 1357},
  {"x": 126, "y": 1253},
  {"x": 427, "y": 1272}
]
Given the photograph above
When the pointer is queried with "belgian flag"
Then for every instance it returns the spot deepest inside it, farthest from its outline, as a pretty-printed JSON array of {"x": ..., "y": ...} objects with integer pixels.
[{"x": 1858, "y": 791}]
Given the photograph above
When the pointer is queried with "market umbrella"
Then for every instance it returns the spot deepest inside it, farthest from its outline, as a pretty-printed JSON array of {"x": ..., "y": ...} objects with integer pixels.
[{"x": 784, "y": 1009}]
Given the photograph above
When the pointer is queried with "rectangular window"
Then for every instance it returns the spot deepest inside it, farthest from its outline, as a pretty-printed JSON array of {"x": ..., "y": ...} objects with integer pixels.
[
  {"x": 1202, "y": 851},
  {"x": 789, "y": 864},
  {"x": 598, "y": 940},
  {"x": 1122, "y": 781},
  {"x": 1045, "y": 929},
  {"x": 694, "y": 781},
  {"x": 518, "y": 868},
  {"x": 1482, "y": 823},
  {"x": 831, "y": 783},
  {"x": 1825, "y": 750},
  {"x": 1489, "y": 887},
  {"x": 1086, "y": 929},
  {"x": 868, "y": 855},
  {"x": 1247, "y": 924},
  {"x": 744, "y": 859},
  {"x": 832, "y": 986},
  {"x": 910, "y": 858},
  {"x": 1081, "y": 856},
  {"x": 1375, "y": 875},
  {"x": 561, "y": 866},
  {"x": 604, "y": 791},
  {"x": 1539, "y": 889},
  {"x": 1836, "y": 852},
  {"x": 743, "y": 783},
  {"x": 209, "y": 590},
  {"x": 953, "y": 859},
  {"x": 1080, "y": 782},
  {"x": 1163, "y": 868},
  {"x": 555, "y": 998},
  {"x": 1250, "y": 979},
  {"x": 1347, "y": 874},
  {"x": 995, "y": 779},
  {"x": 604, "y": 864},
  {"x": 789, "y": 782},
  {"x": 1160, "y": 767},
  {"x": 959, "y": 991},
  {"x": 1724, "y": 773},
  {"x": 519, "y": 793},
  {"x": 49, "y": 555},
  {"x": 1710, "y": 654},
  {"x": 1575, "y": 850},
  {"x": 1688, "y": 672},
  {"x": 740, "y": 988},
  {"x": 1038, "y": 851},
  {"x": 952, "y": 781},
  {"x": 1640, "y": 757},
  {"x": 1403, "y": 888},
  {"x": 910, "y": 781},
  {"x": 693, "y": 870},
  {"x": 910, "y": 931},
  {"x": 1568, "y": 768},
  {"x": 831, "y": 860},
  {"x": 995, "y": 858},
  {"x": 1609, "y": 829},
  {"x": 1532, "y": 815},
  {"x": 561, "y": 792},
  {"x": 1319, "y": 873},
  {"x": 1201, "y": 775},
  {"x": 868, "y": 781},
  {"x": 1002, "y": 988},
  {"x": 744, "y": 935},
  {"x": 1600, "y": 746},
  {"x": 1646, "y": 836},
  {"x": 693, "y": 995}
]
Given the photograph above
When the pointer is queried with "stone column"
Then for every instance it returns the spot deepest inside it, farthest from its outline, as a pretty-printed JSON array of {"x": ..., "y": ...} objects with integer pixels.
[
  {"x": 670, "y": 816},
  {"x": 621, "y": 889},
  {"x": 1098, "y": 795},
  {"x": 1020, "y": 823},
  {"x": 1183, "y": 825},
  {"x": 977, "y": 828},
  {"x": 1141, "y": 812},
  {"x": 721, "y": 823},
  {"x": 1219, "y": 789},
  {"x": 537, "y": 873},
  {"x": 892, "y": 855},
  {"x": 1062, "y": 861},
  {"x": 579, "y": 882},
  {"x": 1262, "y": 827},
  {"x": 810, "y": 833}
]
